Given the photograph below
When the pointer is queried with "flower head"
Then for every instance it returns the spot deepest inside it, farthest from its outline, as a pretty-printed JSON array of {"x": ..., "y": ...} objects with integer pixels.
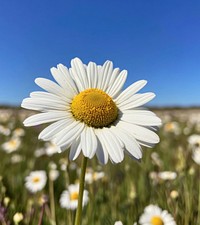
[
  {"x": 90, "y": 112},
  {"x": 18, "y": 217},
  {"x": 69, "y": 198},
  {"x": 118, "y": 223},
  {"x": 153, "y": 215},
  {"x": 36, "y": 181},
  {"x": 12, "y": 145}
]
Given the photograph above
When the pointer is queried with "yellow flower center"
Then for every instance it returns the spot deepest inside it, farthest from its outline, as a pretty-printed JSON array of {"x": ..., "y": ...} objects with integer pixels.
[
  {"x": 74, "y": 196},
  {"x": 94, "y": 107},
  {"x": 13, "y": 143},
  {"x": 156, "y": 220},
  {"x": 36, "y": 179}
]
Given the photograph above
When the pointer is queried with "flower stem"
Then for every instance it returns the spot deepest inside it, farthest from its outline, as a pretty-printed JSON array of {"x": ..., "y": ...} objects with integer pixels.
[
  {"x": 81, "y": 189},
  {"x": 52, "y": 201},
  {"x": 41, "y": 214}
]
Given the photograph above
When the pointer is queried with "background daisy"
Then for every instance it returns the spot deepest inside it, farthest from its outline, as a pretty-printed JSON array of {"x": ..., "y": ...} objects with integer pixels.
[
  {"x": 69, "y": 198},
  {"x": 36, "y": 181},
  {"x": 153, "y": 215}
]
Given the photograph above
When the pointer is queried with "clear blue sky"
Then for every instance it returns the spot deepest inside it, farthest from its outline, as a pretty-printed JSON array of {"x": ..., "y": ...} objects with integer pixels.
[{"x": 154, "y": 40}]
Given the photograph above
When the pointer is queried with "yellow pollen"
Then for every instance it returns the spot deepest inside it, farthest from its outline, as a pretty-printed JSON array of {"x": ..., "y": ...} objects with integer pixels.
[
  {"x": 74, "y": 196},
  {"x": 94, "y": 107},
  {"x": 156, "y": 220},
  {"x": 36, "y": 179}
]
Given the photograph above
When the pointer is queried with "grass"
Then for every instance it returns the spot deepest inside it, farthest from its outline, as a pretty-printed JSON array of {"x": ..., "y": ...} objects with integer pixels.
[{"x": 124, "y": 191}]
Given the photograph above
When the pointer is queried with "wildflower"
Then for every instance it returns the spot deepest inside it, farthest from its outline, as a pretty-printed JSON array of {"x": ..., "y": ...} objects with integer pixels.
[
  {"x": 196, "y": 155},
  {"x": 4, "y": 130},
  {"x": 11, "y": 145},
  {"x": 39, "y": 152},
  {"x": 16, "y": 158},
  {"x": 91, "y": 175},
  {"x": 51, "y": 148},
  {"x": 69, "y": 198},
  {"x": 167, "y": 175},
  {"x": 194, "y": 144},
  {"x": 118, "y": 223},
  {"x": 172, "y": 127},
  {"x": 91, "y": 114},
  {"x": 53, "y": 174},
  {"x": 153, "y": 215},
  {"x": 17, "y": 218},
  {"x": 18, "y": 132},
  {"x": 174, "y": 194},
  {"x": 36, "y": 181},
  {"x": 6, "y": 201}
]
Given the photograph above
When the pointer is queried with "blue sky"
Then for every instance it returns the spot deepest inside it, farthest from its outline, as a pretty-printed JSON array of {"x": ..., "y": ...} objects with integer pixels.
[{"x": 154, "y": 40}]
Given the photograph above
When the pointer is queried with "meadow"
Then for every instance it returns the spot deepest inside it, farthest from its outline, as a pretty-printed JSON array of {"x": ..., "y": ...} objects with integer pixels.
[{"x": 116, "y": 191}]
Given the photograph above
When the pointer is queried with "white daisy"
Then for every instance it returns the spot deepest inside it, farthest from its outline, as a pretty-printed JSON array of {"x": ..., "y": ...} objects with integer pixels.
[
  {"x": 91, "y": 175},
  {"x": 18, "y": 132},
  {"x": 51, "y": 148},
  {"x": 118, "y": 223},
  {"x": 17, "y": 218},
  {"x": 36, "y": 181},
  {"x": 196, "y": 155},
  {"x": 91, "y": 113},
  {"x": 53, "y": 174},
  {"x": 12, "y": 145},
  {"x": 167, "y": 175},
  {"x": 153, "y": 215},
  {"x": 194, "y": 141},
  {"x": 69, "y": 198}
]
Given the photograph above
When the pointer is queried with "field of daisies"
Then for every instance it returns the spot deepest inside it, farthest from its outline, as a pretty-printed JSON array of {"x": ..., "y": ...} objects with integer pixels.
[{"x": 38, "y": 185}]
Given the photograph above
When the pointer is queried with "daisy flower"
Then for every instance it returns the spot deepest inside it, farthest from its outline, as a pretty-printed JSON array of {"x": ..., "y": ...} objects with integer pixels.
[
  {"x": 91, "y": 175},
  {"x": 167, "y": 175},
  {"x": 12, "y": 145},
  {"x": 36, "y": 181},
  {"x": 153, "y": 215},
  {"x": 69, "y": 198},
  {"x": 196, "y": 156},
  {"x": 89, "y": 112},
  {"x": 118, "y": 223}
]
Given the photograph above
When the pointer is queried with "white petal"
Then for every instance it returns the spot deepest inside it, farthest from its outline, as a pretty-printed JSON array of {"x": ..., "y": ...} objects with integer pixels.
[
  {"x": 88, "y": 142},
  {"x": 75, "y": 149},
  {"x": 46, "y": 95},
  {"x": 138, "y": 111},
  {"x": 50, "y": 86},
  {"x": 104, "y": 75},
  {"x": 116, "y": 87},
  {"x": 131, "y": 90},
  {"x": 44, "y": 118},
  {"x": 68, "y": 77},
  {"x": 140, "y": 133},
  {"x": 144, "y": 120},
  {"x": 112, "y": 145},
  {"x": 114, "y": 75},
  {"x": 70, "y": 133},
  {"x": 63, "y": 82},
  {"x": 101, "y": 152},
  {"x": 79, "y": 74},
  {"x": 130, "y": 144},
  {"x": 52, "y": 130},
  {"x": 92, "y": 74},
  {"x": 43, "y": 104},
  {"x": 135, "y": 101}
]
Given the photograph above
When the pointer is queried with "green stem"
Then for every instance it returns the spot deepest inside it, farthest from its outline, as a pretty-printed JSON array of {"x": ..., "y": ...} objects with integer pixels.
[
  {"x": 52, "y": 201},
  {"x": 81, "y": 189}
]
